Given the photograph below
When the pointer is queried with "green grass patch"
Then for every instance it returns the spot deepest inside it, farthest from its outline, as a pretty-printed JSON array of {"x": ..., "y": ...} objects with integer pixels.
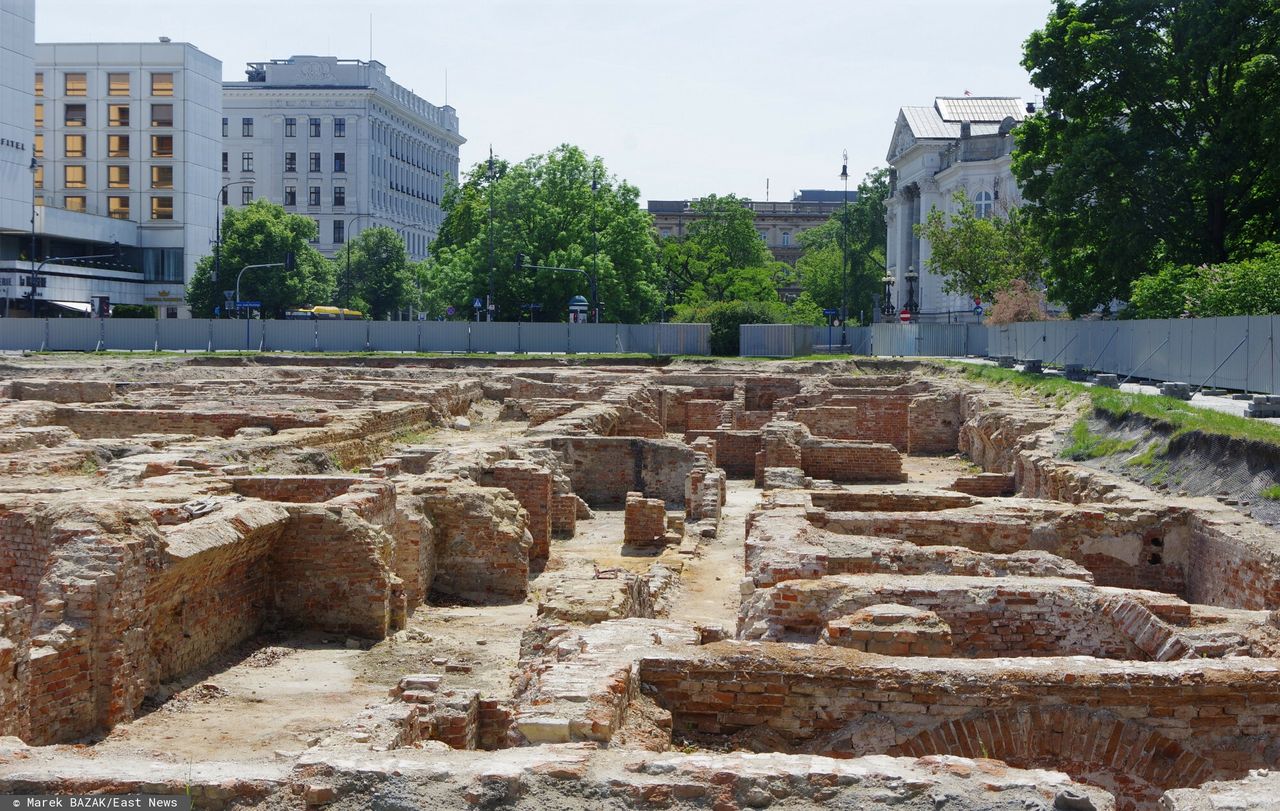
[
  {"x": 1087, "y": 445},
  {"x": 1271, "y": 493},
  {"x": 1150, "y": 457}
]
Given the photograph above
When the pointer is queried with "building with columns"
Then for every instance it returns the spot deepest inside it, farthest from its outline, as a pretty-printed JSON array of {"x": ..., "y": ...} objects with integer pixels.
[
  {"x": 959, "y": 144},
  {"x": 338, "y": 141}
]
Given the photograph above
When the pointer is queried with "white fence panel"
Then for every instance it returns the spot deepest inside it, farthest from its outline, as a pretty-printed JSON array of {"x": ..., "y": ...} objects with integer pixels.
[
  {"x": 495, "y": 336},
  {"x": 593, "y": 338},
  {"x": 74, "y": 334},
  {"x": 183, "y": 334},
  {"x": 244, "y": 335},
  {"x": 134, "y": 334},
  {"x": 342, "y": 336},
  {"x": 23, "y": 333},
  {"x": 289, "y": 336},
  {"x": 541, "y": 338},
  {"x": 774, "y": 340},
  {"x": 395, "y": 336},
  {"x": 444, "y": 336}
]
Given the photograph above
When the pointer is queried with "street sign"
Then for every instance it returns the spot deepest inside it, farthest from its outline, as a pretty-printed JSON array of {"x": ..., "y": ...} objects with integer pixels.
[
  {"x": 249, "y": 305},
  {"x": 830, "y": 313},
  {"x": 977, "y": 310},
  {"x": 228, "y": 294},
  {"x": 450, "y": 310},
  {"x": 477, "y": 304},
  {"x": 905, "y": 316}
]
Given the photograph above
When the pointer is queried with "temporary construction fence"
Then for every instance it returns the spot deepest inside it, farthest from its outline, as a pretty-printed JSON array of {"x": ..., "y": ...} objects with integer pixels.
[
  {"x": 206, "y": 335},
  {"x": 774, "y": 340}
]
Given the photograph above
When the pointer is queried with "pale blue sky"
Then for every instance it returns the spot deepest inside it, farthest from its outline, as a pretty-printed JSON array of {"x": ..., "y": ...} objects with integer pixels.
[{"x": 680, "y": 97}]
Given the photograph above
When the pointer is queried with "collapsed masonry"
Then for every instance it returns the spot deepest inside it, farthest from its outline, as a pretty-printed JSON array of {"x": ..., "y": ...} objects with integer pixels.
[{"x": 817, "y": 562}]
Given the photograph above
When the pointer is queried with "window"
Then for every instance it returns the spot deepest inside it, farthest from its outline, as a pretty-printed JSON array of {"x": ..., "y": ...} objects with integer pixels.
[
  {"x": 162, "y": 85},
  {"x": 74, "y": 115},
  {"x": 291, "y": 161},
  {"x": 246, "y": 195},
  {"x": 764, "y": 235},
  {"x": 339, "y": 195},
  {"x": 339, "y": 161},
  {"x": 224, "y": 127},
  {"x": 314, "y": 162},
  {"x": 246, "y": 127},
  {"x": 315, "y": 235},
  {"x": 290, "y": 195},
  {"x": 74, "y": 202},
  {"x": 339, "y": 128},
  {"x": 118, "y": 85},
  {"x": 246, "y": 161},
  {"x": 290, "y": 127},
  {"x": 314, "y": 126},
  {"x": 74, "y": 84},
  {"x": 171, "y": 312},
  {"x": 162, "y": 115},
  {"x": 117, "y": 146},
  {"x": 73, "y": 176},
  {"x": 224, "y": 163},
  {"x": 118, "y": 177},
  {"x": 37, "y": 180},
  {"x": 339, "y": 235},
  {"x": 982, "y": 204},
  {"x": 117, "y": 115},
  {"x": 39, "y": 116},
  {"x": 786, "y": 238},
  {"x": 39, "y": 84},
  {"x": 37, "y": 145},
  {"x": 162, "y": 208},
  {"x": 162, "y": 177},
  {"x": 118, "y": 207},
  {"x": 162, "y": 146},
  {"x": 313, "y": 196}
]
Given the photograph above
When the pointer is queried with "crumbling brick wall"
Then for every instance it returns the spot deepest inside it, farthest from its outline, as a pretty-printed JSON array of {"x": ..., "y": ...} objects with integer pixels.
[
  {"x": 604, "y": 469},
  {"x": 645, "y": 520},
  {"x": 15, "y": 652},
  {"x": 531, "y": 484},
  {"x": 851, "y": 461},
  {"x": 933, "y": 422},
  {"x": 482, "y": 544},
  {"x": 760, "y": 392},
  {"x": 120, "y": 422},
  {"x": 735, "y": 450}
]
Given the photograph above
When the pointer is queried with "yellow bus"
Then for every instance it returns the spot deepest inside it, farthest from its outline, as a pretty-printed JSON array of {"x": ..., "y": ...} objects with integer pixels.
[{"x": 324, "y": 314}]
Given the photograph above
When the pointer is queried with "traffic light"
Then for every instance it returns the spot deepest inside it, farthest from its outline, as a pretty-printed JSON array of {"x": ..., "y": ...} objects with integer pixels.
[
  {"x": 519, "y": 263},
  {"x": 290, "y": 261}
]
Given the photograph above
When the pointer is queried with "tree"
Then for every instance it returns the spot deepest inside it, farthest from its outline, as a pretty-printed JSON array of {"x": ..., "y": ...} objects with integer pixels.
[
  {"x": 1247, "y": 287},
  {"x": 544, "y": 207},
  {"x": 262, "y": 233},
  {"x": 380, "y": 276},
  {"x": 1019, "y": 301},
  {"x": 721, "y": 257},
  {"x": 980, "y": 256},
  {"x": 1158, "y": 142},
  {"x": 820, "y": 267}
]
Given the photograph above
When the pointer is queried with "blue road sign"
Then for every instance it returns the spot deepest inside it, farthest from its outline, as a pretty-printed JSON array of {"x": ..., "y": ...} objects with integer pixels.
[
  {"x": 830, "y": 313},
  {"x": 477, "y": 304},
  {"x": 450, "y": 311},
  {"x": 977, "y": 310},
  {"x": 249, "y": 305}
]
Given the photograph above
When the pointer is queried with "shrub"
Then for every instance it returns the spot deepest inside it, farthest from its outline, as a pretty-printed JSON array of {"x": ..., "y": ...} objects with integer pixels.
[
  {"x": 1018, "y": 302},
  {"x": 1248, "y": 287},
  {"x": 726, "y": 316}
]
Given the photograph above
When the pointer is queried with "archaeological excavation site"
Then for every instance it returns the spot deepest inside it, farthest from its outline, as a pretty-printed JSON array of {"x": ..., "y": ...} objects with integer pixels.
[{"x": 414, "y": 583}]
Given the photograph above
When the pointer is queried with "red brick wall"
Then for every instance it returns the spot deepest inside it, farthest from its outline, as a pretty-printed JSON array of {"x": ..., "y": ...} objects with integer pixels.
[
  {"x": 934, "y": 423},
  {"x": 531, "y": 484},
  {"x": 759, "y": 393},
  {"x": 703, "y": 414},
  {"x": 604, "y": 469},
  {"x": 985, "y": 485},
  {"x": 122, "y": 422},
  {"x": 869, "y": 418},
  {"x": 735, "y": 450},
  {"x": 851, "y": 461},
  {"x": 645, "y": 520},
  {"x": 482, "y": 545}
]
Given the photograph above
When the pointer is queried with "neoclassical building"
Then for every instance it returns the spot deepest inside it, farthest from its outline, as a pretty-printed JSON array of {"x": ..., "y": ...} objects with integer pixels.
[{"x": 959, "y": 143}]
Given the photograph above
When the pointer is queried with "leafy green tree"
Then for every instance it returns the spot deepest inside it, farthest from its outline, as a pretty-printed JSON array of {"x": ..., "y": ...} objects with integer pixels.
[
  {"x": 1247, "y": 287},
  {"x": 980, "y": 256},
  {"x": 544, "y": 207},
  {"x": 1158, "y": 140},
  {"x": 861, "y": 223},
  {"x": 380, "y": 278},
  {"x": 262, "y": 233}
]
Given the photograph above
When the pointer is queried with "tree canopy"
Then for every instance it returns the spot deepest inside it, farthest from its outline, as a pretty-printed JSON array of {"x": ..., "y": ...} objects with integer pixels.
[
  {"x": 262, "y": 233},
  {"x": 981, "y": 256},
  {"x": 544, "y": 207},
  {"x": 820, "y": 266},
  {"x": 1159, "y": 141},
  {"x": 380, "y": 275}
]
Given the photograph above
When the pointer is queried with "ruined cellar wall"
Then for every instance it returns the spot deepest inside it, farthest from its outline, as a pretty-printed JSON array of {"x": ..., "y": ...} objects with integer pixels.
[
  {"x": 121, "y": 422},
  {"x": 933, "y": 423},
  {"x": 24, "y": 549},
  {"x": 481, "y": 541},
  {"x": 15, "y": 652},
  {"x": 735, "y": 450},
  {"x": 214, "y": 588},
  {"x": 331, "y": 570},
  {"x": 1233, "y": 564},
  {"x": 851, "y": 461},
  {"x": 874, "y": 419},
  {"x": 293, "y": 489},
  {"x": 604, "y": 469}
]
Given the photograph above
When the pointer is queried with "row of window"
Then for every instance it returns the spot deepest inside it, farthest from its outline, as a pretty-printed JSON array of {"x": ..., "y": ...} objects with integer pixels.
[
  {"x": 73, "y": 146},
  {"x": 74, "y": 176},
  {"x": 290, "y": 162},
  {"x": 77, "y": 115},
  {"x": 290, "y": 127},
  {"x": 117, "y": 206},
  {"x": 291, "y": 196},
  {"x": 77, "y": 84}
]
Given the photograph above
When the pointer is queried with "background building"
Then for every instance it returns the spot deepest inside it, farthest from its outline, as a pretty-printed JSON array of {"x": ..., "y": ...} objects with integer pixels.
[
  {"x": 962, "y": 143},
  {"x": 338, "y": 141},
  {"x": 778, "y": 223}
]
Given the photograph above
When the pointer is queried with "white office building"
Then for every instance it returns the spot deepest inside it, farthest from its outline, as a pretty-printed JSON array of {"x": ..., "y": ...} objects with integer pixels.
[
  {"x": 958, "y": 144},
  {"x": 338, "y": 141}
]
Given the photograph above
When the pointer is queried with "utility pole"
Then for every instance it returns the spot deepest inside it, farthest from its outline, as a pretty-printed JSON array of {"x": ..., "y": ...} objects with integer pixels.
[
  {"x": 492, "y": 303},
  {"x": 595, "y": 248},
  {"x": 844, "y": 254}
]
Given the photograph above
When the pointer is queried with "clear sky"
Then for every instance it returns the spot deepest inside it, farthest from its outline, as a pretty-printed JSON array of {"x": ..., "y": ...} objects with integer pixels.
[{"x": 680, "y": 97}]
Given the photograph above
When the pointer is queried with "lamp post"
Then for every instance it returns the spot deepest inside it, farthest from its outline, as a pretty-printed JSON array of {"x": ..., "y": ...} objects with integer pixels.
[
  {"x": 217, "y": 229},
  {"x": 346, "y": 276},
  {"x": 912, "y": 277},
  {"x": 492, "y": 303},
  {"x": 886, "y": 309},
  {"x": 844, "y": 254},
  {"x": 34, "y": 168},
  {"x": 595, "y": 249}
]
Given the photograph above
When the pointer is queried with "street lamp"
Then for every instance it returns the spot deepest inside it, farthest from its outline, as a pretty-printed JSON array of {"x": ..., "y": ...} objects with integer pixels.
[
  {"x": 595, "y": 248},
  {"x": 34, "y": 168},
  {"x": 886, "y": 308},
  {"x": 346, "y": 277},
  {"x": 912, "y": 277},
  {"x": 492, "y": 302},
  {"x": 844, "y": 254},
  {"x": 217, "y": 228}
]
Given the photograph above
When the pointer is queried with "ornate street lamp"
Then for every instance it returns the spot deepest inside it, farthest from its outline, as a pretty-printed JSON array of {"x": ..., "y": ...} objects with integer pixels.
[
  {"x": 886, "y": 309},
  {"x": 912, "y": 277}
]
